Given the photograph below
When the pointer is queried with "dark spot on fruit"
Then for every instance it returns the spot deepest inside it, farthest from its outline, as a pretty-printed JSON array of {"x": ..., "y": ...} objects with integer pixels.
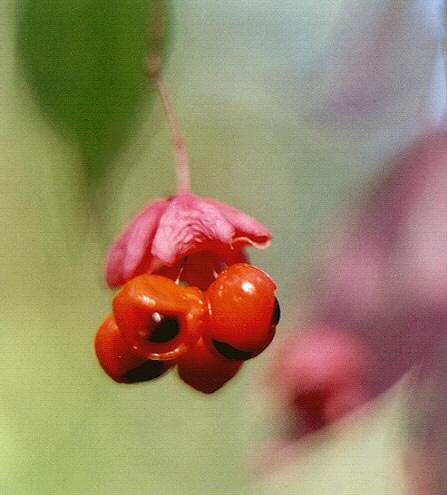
[
  {"x": 164, "y": 329},
  {"x": 146, "y": 371},
  {"x": 276, "y": 313},
  {"x": 230, "y": 352}
]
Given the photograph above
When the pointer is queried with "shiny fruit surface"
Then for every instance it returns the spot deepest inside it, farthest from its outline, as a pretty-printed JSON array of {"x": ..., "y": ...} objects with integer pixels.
[
  {"x": 159, "y": 319},
  {"x": 205, "y": 370},
  {"x": 118, "y": 360},
  {"x": 243, "y": 312}
]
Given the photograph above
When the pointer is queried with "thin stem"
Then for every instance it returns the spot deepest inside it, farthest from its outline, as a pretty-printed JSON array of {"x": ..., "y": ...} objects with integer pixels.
[{"x": 181, "y": 157}]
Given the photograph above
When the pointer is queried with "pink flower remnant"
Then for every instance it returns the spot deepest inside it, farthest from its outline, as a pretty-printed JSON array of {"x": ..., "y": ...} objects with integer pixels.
[
  {"x": 184, "y": 236},
  {"x": 323, "y": 375},
  {"x": 381, "y": 311}
]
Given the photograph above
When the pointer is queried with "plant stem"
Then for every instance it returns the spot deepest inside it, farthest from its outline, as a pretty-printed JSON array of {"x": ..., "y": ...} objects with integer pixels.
[{"x": 181, "y": 157}]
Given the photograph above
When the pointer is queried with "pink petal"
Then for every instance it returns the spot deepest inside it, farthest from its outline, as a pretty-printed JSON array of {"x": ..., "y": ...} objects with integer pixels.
[
  {"x": 128, "y": 252},
  {"x": 191, "y": 224},
  {"x": 183, "y": 234},
  {"x": 247, "y": 230}
]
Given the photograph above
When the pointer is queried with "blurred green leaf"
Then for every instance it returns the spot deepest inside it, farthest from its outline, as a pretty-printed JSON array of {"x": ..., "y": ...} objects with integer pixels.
[{"x": 86, "y": 61}]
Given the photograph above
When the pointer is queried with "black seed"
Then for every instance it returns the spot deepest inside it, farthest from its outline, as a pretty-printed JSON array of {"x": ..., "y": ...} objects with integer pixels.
[
  {"x": 276, "y": 313},
  {"x": 230, "y": 352},
  {"x": 164, "y": 331},
  {"x": 146, "y": 371}
]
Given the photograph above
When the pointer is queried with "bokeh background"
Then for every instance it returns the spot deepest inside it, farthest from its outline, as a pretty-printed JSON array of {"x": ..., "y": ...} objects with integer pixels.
[{"x": 244, "y": 77}]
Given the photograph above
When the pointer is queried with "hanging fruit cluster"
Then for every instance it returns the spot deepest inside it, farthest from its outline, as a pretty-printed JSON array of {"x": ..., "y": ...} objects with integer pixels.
[
  {"x": 157, "y": 324},
  {"x": 188, "y": 296}
]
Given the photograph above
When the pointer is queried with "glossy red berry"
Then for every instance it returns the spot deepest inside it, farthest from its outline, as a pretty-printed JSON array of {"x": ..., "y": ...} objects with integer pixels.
[
  {"x": 243, "y": 312},
  {"x": 159, "y": 319},
  {"x": 117, "y": 359},
  {"x": 206, "y": 370}
]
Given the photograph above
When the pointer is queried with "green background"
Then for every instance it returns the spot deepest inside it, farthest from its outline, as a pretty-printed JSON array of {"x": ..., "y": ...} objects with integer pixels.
[{"x": 235, "y": 71}]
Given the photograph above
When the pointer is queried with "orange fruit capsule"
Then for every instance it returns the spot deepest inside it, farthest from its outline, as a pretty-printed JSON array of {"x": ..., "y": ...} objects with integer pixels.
[
  {"x": 206, "y": 370},
  {"x": 243, "y": 312},
  {"x": 117, "y": 359},
  {"x": 159, "y": 319}
]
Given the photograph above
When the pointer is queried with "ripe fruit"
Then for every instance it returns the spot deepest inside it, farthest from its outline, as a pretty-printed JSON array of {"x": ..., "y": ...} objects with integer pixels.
[
  {"x": 206, "y": 370},
  {"x": 159, "y": 319},
  {"x": 118, "y": 360},
  {"x": 243, "y": 312}
]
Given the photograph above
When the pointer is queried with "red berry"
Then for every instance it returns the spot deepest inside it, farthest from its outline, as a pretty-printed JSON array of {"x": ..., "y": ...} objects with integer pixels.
[
  {"x": 206, "y": 370},
  {"x": 243, "y": 312},
  {"x": 118, "y": 360},
  {"x": 159, "y": 319}
]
